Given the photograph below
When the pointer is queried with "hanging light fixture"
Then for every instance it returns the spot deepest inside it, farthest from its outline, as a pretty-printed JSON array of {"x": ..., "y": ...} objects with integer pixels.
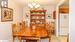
[
  {"x": 30, "y": 5},
  {"x": 33, "y": 5},
  {"x": 37, "y": 6}
]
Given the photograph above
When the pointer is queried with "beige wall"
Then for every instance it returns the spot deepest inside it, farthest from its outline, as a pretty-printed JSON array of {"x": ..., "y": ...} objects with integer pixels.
[
  {"x": 49, "y": 8},
  {"x": 5, "y": 27},
  {"x": 17, "y": 14}
]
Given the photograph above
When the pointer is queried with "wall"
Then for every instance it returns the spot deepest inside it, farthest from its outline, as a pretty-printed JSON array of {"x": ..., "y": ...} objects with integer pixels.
[
  {"x": 5, "y": 27},
  {"x": 49, "y": 8},
  {"x": 17, "y": 14}
]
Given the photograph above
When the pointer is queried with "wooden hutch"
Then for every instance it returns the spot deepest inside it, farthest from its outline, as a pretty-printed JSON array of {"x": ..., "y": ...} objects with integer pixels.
[{"x": 37, "y": 18}]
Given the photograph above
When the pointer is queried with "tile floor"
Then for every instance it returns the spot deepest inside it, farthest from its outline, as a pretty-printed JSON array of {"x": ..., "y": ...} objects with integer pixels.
[{"x": 59, "y": 39}]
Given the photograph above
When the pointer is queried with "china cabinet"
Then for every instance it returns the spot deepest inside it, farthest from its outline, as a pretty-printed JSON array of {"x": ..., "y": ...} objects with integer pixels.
[{"x": 37, "y": 18}]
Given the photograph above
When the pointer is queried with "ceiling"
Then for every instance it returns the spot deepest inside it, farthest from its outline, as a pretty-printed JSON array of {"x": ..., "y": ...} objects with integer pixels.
[
  {"x": 42, "y": 2},
  {"x": 66, "y": 3}
]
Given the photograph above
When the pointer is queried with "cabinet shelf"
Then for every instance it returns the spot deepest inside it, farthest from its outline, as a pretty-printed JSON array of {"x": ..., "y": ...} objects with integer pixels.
[
  {"x": 38, "y": 24},
  {"x": 37, "y": 19},
  {"x": 37, "y": 14}
]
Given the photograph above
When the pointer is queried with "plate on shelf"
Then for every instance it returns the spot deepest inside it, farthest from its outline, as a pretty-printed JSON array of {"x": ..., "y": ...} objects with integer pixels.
[
  {"x": 33, "y": 23},
  {"x": 37, "y": 21},
  {"x": 37, "y": 17},
  {"x": 42, "y": 17},
  {"x": 38, "y": 13},
  {"x": 33, "y": 13},
  {"x": 42, "y": 13},
  {"x": 33, "y": 17}
]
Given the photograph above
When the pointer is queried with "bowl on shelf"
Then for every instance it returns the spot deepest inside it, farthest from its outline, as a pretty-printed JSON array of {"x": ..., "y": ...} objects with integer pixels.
[
  {"x": 42, "y": 13},
  {"x": 37, "y": 17},
  {"x": 42, "y": 17},
  {"x": 37, "y": 21}
]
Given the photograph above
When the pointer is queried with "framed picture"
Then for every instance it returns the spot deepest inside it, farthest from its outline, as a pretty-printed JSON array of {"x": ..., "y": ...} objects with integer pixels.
[
  {"x": 6, "y": 14},
  {"x": 3, "y": 3}
]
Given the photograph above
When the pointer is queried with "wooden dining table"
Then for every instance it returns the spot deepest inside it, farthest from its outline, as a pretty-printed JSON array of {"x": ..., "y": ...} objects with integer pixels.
[{"x": 30, "y": 34}]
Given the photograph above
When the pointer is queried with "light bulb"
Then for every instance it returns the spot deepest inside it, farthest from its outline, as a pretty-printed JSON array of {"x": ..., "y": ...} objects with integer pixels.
[
  {"x": 34, "y": 4},
  {"x": 30, "y": 5},
  {"x": 37, "y": 6}
]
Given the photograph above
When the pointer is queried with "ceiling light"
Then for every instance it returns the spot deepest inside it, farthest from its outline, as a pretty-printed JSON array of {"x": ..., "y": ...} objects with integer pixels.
[
  {"x": 37, "y": 6},
  {"x": 33, "y": 5},
  {"x": 30, "y": 5}
]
